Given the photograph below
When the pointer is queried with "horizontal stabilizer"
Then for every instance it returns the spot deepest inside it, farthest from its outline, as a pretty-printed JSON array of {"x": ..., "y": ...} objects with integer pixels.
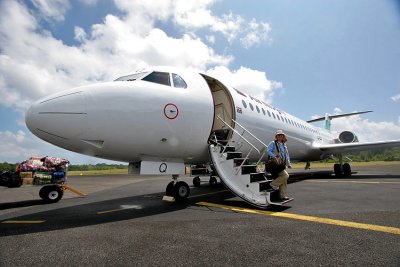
[{"x": 330, "y": 117}]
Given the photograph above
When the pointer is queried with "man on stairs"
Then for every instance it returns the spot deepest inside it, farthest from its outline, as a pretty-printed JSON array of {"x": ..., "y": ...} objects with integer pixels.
[{"x": 277, "y": 149}]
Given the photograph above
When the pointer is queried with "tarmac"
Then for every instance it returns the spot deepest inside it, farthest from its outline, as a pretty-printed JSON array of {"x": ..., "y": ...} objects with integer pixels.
[{"x": 123, "y": 221}]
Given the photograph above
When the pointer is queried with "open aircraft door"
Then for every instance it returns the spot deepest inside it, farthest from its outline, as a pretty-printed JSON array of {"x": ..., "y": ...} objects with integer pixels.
[{"x": 223, "y": 106}]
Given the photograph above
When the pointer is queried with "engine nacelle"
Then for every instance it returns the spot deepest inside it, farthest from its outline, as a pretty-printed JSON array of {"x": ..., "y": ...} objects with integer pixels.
[{"x": 347, "y": 137}]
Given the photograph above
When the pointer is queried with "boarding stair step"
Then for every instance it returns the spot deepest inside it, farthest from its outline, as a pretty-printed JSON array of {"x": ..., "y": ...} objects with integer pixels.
[
  {"x": 223, "y": 142},
  {"x": 265, "y": 186},
  {"x": 275, "y": 196},
  {"x": 247, "y": 169},
  {"x": 238, "y": 161},
  {"x": 256, "y": 177},
  {"x": 227, "y": 149},
  {"x": 233, "y": 155}
]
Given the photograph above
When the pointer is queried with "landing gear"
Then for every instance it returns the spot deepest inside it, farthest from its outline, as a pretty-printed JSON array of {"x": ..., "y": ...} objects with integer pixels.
[
  {"x": 342, "y": 170},
  {"x": 196, "y": 181},
  {"x": 337, "y": 168},
  {"x": 213, "y": 181},
  {"x": 51, "y": 193},
  {"x": 179, "y": 190},
  {"x": 346, "y": 170}
]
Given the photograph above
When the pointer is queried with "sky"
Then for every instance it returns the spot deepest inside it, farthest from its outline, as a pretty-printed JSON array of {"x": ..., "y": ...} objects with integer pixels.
[{"x": 306, "y": 57}]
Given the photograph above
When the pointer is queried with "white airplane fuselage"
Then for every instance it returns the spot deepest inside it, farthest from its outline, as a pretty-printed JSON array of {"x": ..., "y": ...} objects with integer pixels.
[{"x": 139, "y": 120}]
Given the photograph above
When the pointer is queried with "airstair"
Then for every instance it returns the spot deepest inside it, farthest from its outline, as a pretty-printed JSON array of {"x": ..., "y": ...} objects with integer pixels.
[{"x": 236, "y": 172}]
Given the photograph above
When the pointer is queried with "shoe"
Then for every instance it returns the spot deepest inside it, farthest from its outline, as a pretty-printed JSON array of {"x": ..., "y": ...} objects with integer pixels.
[{"x": 285, "y": 198}]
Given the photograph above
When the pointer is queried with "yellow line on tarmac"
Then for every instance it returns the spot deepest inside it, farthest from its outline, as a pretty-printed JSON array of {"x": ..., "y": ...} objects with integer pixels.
[
  {"x": 353, "y": 182},
  {"x": 109, "y": 211},
  {"x": 22, "y": 221},
  {"x": 371, "y": 227}
]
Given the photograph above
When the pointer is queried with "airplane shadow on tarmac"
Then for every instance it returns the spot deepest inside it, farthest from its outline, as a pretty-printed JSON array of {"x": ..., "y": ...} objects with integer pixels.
[
  {"x": 107, "y": 211},
  {"x": 128, "y": 208},
  {"x": 21, "y": 204}
]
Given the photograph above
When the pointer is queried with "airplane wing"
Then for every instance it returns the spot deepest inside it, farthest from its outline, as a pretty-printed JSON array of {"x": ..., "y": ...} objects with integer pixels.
[{"x": 355, "y": 147}]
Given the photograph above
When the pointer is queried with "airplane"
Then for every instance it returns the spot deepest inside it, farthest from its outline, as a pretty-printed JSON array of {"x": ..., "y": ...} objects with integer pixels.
[{"x": 161, "y": 118}]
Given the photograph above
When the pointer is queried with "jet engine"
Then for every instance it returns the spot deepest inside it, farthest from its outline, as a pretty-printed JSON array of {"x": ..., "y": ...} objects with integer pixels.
[{"x": 347, "y": 137}]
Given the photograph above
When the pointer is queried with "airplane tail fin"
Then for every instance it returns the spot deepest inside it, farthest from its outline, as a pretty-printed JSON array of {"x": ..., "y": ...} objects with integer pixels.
[
  {"x": 327, "y": 122},
  {"x": 328, "y": 118}
]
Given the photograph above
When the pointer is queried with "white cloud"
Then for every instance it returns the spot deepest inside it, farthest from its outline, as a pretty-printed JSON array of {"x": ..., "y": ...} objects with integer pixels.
[
  {"x": 396, "y": 98},
  {"x": 18, "y": 146},
  {"x": 192, "y": 15},
  {"x": 33, "y": 63},
  {"x": 12, "y": 145},
  {"x": 52, "y": 9},
  {"x": 257, "y": 33},
  {"x": 250, "y": 81}
]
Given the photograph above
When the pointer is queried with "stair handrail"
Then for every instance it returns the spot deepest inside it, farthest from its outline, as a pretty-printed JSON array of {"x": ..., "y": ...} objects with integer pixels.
[
  {"x": 241, "y": 136},
  {"x": 252, "y": 135},
  {"x": 255, "y": 137}
]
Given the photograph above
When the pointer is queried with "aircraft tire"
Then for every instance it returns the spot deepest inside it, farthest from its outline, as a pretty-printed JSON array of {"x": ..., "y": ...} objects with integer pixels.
[
  {"x": 170, "y": 189},
  {"x": 213, "y": 181},
  {"x": 196, "y": 181},
  {"x": 181, "y": 191},
  {"x": 338, "y": 170},
  {"x": 51, "y": 193},
  {"x": 346, "y": 170}
]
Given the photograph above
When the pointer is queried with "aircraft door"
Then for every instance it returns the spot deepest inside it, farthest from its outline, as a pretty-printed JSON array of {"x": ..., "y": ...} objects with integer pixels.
[{"x": 223, "y": 105}]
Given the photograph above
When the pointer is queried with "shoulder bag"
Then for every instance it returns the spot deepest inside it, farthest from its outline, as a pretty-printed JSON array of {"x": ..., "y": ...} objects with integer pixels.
[{"x": 275, "y": 165}]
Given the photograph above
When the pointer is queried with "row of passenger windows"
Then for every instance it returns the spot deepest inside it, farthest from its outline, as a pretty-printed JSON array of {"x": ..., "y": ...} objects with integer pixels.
[{"x": 278, "y": 117}]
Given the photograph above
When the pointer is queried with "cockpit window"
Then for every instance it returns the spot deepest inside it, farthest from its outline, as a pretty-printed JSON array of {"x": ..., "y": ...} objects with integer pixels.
[
  {"x": 158, "y": 77},
  {"x": 132, "y": 77},
  {"x": 179, "y": 82}
]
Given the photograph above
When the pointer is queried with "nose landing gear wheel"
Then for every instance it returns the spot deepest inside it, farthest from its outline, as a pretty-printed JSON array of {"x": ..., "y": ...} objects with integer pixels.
[{"x": 181, "y": 191}]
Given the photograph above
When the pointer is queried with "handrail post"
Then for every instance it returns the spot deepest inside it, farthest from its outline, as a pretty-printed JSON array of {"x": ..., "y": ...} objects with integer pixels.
[{"x": 246, "y": 158}]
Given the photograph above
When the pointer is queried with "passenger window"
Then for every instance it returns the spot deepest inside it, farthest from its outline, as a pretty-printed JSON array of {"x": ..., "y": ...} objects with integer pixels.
[
  {"x": 258, "y": 110},
  {"x": 269, "y": 113},
  {"x": 244, "y": 104},
  {"x": 179, "y": 82},
  {"x": 263, "y": 111},
  {"x": 158, "y": 77},
  {"x": 251, "y": 106}
]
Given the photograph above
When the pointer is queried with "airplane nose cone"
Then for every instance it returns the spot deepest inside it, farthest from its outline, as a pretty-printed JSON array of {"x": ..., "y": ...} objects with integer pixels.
[{"x": 58, "y": 117}]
